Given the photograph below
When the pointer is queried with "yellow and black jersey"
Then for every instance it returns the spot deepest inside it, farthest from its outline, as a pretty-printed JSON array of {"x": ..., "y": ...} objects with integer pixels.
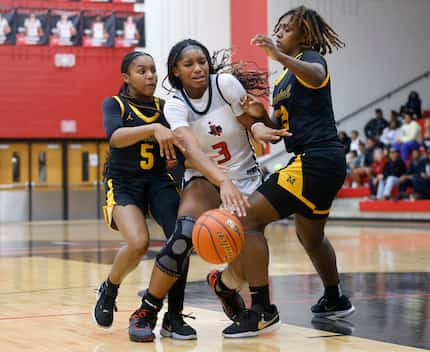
[
  {"x": 306, "y": 111},
  {"x": 142, "y": 158}
]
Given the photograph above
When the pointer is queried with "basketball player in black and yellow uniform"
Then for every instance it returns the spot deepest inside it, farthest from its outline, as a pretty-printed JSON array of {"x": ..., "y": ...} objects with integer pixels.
[
  {"x": 306, "y": 186},
  {"x": 137, "y": 181}
]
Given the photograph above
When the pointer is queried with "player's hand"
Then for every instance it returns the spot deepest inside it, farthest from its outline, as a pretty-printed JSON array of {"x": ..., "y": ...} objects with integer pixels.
[
  {"x": 266, "y": 43},
  {"x": 253, "y": 106},
  {"x": 264, "y": 134},
  {"x": 232, "y": 198},
  {"x": 167, "y": 141}
]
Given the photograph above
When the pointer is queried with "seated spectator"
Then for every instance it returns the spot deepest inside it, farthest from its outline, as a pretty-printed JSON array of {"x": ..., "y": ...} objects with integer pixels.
[
  {"x": 394, "y": 168},
  {"x": 414, "y": 168},
  {"x": 391, "y": 134},
  {"x": 376, "y": 173},
  {"x": 355, "y": 140},
  {"x": 353, "y": 160},
  {"x": 421, "y": 182},
  {"x": 345, "y": 140},
  {"x": 414, "y": 104},
  {"x": 375, "y": 126},
  {"x": 397, "y": 117},
  {"x": 361, "y": 173},
  {"x": 410, "y": 137},
  {"x": 426, "y": 138}
]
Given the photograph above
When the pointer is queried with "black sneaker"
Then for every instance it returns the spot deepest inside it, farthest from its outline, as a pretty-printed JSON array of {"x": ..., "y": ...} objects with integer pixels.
[
  {"x": 339, "y": 309},
  {"x": 253, "y": 323},
  {"x": 142, "y": 323},
  {"x": 232, "y": 302},
  {"x": 175, "y": 327},
  {"x": 105, "y": 305}
]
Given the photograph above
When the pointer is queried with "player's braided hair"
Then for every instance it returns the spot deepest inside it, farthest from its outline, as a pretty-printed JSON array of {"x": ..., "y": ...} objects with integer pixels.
[
  {"x": 253, "y": 80},
  {"x": 248, "y": 74},
  {"x": 317, "y": 34}
]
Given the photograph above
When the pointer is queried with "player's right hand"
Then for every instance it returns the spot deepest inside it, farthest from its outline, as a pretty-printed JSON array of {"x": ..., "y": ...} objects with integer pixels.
[
  {"x": 264, "y": 134},
  {"x": 266, "y": 43},
  {"x": 167, "y": 141},
  {"x": 232, "y": 198}
]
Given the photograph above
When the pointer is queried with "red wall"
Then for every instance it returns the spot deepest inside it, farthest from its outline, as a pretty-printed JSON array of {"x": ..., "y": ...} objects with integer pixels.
[
  {"x": 248, "y": 18},
  {"x": 35, "y": 95}
]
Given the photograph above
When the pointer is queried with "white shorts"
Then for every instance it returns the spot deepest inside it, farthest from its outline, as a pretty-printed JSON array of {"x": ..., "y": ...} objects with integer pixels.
[{"x": 248, "y": 185}]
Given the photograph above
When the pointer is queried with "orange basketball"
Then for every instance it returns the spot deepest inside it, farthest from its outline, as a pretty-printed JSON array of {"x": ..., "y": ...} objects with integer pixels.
[{"x": 218, "y": 236}]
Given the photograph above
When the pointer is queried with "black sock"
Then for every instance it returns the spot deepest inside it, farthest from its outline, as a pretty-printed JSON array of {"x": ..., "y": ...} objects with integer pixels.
[
  {"x": 221, "y": 287},
  {"x": 260, "y": 296},
  {"x": 111, "y": 286},
  {"x": 152, "y": 301},
  {"x": 332, "y": 293}
]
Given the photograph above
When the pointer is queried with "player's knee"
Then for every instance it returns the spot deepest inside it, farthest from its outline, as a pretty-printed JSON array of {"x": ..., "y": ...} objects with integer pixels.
[
  {"x": 253, "y": 226},
  {"x": 310, "y": 243},
  {"x": 139, "y": 246},
  {"x": 172, "y": 259}
]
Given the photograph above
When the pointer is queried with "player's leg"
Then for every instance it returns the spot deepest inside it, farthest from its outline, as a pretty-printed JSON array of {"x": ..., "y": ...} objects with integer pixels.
[
  {"x": 164, "y": 204},
  {"x": 131, "y": 224},
  {"x": 319, "y": 249},
  {"x": 262, "y": 316},
  {"x": 198, "y": 196}
]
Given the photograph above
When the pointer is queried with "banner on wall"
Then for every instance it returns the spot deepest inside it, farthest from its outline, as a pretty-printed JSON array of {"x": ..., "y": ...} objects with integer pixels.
[
  {"x": 129, "y": 29},
  {"x": 99, "y": 29},
  {"x": 7, "y": 26},
  {"x": 32, "y": 27},
  {"x": 65, "y": 28},
  {"x": 96, "y": 0}
]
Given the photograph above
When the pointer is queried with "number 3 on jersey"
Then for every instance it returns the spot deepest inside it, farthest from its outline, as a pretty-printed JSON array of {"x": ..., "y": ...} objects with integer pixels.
[
  {"x": 222, "y": 149},
  {"x": 147, "y": 161},
  {"x": 282, "y": 114}
]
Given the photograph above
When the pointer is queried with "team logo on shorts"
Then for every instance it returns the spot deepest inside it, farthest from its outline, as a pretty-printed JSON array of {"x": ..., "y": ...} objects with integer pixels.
[{"x": 214, "y": 130}]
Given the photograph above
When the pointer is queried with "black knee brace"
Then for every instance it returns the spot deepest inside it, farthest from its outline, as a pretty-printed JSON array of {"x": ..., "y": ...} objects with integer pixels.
[{"x": 172, "y": 258}]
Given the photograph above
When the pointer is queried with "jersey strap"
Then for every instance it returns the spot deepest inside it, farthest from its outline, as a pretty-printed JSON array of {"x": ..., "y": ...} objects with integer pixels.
[
  {"x": 219, "y": 90},
  {"x": 121, "y": 105}
]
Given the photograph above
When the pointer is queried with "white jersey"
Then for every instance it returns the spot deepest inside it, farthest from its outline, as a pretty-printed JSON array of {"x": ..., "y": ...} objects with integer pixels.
[
  {"x": 218, "y": 130},
  {"x": 65, "y": 29},
  {"x": 129, "y": 31},
  {"x": 98, "y": 30},
  {"x": 32, "y": 27},
  {"x": 3, "y": 25}
]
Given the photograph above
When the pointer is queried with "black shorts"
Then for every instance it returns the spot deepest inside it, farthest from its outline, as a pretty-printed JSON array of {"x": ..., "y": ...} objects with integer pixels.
[
  {"x": 308, "y": 184},
  {"x": 157, "y": 194}
]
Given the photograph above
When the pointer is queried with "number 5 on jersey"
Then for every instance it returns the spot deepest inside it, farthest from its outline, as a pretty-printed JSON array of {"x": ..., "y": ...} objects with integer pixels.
[
  {"x": 222, "y": 149},
  {"x": 147, "y": 161}
]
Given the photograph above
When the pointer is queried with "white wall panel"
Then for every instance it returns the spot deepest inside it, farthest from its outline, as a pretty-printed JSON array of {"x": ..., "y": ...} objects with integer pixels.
[{"x": 168, "y": 21}]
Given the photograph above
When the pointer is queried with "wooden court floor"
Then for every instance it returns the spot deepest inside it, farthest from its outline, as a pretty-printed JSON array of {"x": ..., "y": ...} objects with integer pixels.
[{"x": 49, "y": 271}]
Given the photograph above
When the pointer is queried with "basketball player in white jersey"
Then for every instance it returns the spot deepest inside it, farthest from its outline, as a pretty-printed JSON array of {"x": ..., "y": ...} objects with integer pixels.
[
  {"x": 98, "y": 32},
  {"x": 4, "y": 28},
  {"x": 65, "y": 30},
  {"x": 131, "y": 35},
  {"x": 205, "y": 114},
  {"x": 33, "y": 29}
]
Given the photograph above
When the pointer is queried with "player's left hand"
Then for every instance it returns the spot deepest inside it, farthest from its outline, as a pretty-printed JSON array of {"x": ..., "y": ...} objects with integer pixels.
[{"x": 167, "y": 141}]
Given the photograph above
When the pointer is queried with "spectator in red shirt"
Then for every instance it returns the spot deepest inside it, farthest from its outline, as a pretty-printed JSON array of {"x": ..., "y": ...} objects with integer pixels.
[{"x": 377, "y": 170}]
